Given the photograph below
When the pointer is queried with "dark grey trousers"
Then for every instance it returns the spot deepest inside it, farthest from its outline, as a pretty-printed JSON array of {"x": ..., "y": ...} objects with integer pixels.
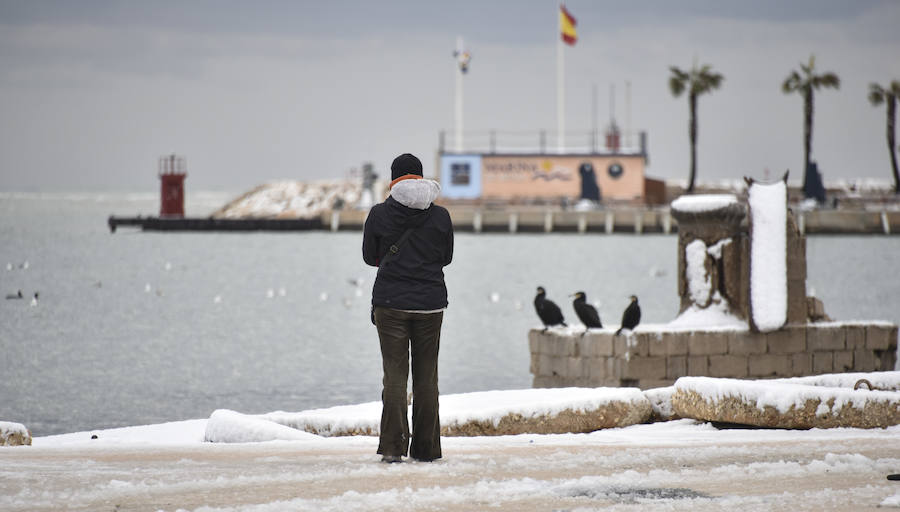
[{"x": 403, "y": 334}]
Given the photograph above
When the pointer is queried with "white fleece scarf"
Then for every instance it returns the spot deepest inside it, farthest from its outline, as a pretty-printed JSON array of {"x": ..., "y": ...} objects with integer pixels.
[{"x": 418, "y": 194}]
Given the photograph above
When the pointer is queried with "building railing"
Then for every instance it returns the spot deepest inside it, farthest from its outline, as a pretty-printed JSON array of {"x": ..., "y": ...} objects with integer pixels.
[{"x": 542, "y": 142}]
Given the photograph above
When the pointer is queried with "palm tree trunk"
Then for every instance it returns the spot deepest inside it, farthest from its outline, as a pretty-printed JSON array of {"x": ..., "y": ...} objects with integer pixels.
[
  {"x": 693, "y": 135},
  {"x": 891, "y": 140},
  {"x": 807, "y": 131}
]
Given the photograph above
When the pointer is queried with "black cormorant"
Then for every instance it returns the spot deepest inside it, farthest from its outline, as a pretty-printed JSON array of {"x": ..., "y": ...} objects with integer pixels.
[
  {"x": 547, "y": 310},
  {"x": 586, "y": 312},
  {"x": 632, "y": 315}
]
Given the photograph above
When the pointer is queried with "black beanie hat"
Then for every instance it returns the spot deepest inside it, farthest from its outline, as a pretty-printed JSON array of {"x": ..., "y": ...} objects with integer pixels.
[{"x": 405, "y": 164}]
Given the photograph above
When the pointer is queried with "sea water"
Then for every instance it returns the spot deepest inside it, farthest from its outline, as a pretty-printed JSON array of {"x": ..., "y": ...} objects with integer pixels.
[{"x": 139, "y": 327}]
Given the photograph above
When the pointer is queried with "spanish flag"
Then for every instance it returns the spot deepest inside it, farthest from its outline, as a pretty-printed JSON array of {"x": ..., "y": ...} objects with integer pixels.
[{"x": 567, "y": 26}]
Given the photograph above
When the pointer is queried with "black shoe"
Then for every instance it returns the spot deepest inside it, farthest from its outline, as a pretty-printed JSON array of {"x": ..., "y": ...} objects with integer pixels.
[{"x": 391, "y": 459}]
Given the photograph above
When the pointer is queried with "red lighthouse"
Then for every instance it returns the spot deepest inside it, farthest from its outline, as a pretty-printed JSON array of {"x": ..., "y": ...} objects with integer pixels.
[{"x": 171, "y": 195}]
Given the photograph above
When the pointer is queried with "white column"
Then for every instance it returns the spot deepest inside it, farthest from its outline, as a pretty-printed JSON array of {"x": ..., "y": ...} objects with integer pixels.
[{"x": 459, "y": 97}]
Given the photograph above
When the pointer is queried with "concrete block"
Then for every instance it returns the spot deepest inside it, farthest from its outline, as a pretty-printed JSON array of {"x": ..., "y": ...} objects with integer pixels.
[
  {"x": 545, "y": 365},
  {"x": 578, "y": 345},
  {"x": 885, "y": 360},
  {"x": 639, "y": 343},
  {"x": 796, "y": 311},
  {"x": 677, "y": 344},
  {"x": 790, "y": 340},
  {"x": 577, "y": 367},
  {"x": 655, "y": 383},
  {"x": 560, "y": 366},
  {"x": 843, "y": 360},
  {"x": 796, "y": 258},
  {"x": 658, "y": 345},
  {"x": 676, "y": 366},
  {"x": 801, "y": 364},
  {"x": 880, "y": 338},
  {"x": 698, "y": 366},
  {"x": 707, "y": 343},
  {"x": 823, "y": 362},
  {"x": 547, "y": 382},
  {"x": 549, "y": 344},
  {"x": 620, "y": 345},
  {"x": 825, "y": 339},
  {"x": 644, "y": 368},
  {"x": 560, "y": 346},
  {"x": 570, "y": 346},
  {"x": 856, "y": 336},
  {"x": 745, "y": 343},
  {"x": 534, "y": 341},
  {"x": 615, "y": 367},
  {"x": 599, "y": 345},
  {"x": 815, "y": 310},
  {"x": 728, "y": 366},
  {"x": 863, "y": 360},
  {"x": 598, "y": 369},
  {"x": 769, "y": 365}
]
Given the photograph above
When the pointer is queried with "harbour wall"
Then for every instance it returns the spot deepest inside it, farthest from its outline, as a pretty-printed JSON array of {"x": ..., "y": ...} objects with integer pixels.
[
  {"x": 623, "y": 220},
  {"x": 656, "y": 358},
  {"x": 524, "y": 220}
]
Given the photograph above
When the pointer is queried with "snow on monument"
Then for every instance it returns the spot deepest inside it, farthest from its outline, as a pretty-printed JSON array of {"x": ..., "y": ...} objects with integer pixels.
[{"x": 768, "y": 255}]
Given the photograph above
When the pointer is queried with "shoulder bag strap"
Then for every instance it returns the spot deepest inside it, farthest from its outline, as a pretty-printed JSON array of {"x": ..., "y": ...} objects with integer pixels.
[{"x": 395, "y": 247}]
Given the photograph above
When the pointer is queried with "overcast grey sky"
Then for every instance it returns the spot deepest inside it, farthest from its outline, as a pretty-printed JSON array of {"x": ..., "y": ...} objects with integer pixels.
[{"x": 93, "y": 92}]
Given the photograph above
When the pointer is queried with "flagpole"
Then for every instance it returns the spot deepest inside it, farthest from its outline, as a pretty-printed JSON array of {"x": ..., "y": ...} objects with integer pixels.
[
  {"x": 560, "y": 88},
  {"x": 459, "y": 98}
]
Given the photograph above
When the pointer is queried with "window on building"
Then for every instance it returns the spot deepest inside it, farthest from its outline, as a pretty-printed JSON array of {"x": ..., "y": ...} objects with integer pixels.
[{"x": 460, "y": 173}]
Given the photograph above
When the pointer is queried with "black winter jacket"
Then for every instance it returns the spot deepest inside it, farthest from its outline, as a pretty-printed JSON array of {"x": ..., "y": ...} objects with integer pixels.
[{"x": 413, "y": 278}]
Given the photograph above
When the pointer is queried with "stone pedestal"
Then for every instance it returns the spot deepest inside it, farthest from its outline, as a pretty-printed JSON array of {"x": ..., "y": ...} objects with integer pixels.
[{"x": 729, "y": 272}]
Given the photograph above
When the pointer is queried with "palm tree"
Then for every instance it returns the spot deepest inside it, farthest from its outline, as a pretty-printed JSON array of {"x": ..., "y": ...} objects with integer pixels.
[
  {"x": 805, "y": 84},
  {"x": 877, "y": 96},
  {"x": 697, "y": 81}
]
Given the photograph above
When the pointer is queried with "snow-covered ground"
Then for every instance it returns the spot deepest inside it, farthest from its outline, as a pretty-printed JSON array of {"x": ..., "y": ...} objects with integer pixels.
[
  {"x": 680, "y": 465},
  {"x": 676, "y": 465}
]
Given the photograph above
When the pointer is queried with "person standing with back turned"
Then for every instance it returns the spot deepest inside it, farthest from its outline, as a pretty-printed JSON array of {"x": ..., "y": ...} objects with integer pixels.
[{"x": 410, "y": 240}]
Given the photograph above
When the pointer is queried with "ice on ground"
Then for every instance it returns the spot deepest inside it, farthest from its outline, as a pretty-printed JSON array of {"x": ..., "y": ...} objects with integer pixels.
[
  {"x": 703, "y": 202},
  {"x": 783, "y": 396},
  {"x": 891, "y": 501},
  {"x": 768, "y": 255}
]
